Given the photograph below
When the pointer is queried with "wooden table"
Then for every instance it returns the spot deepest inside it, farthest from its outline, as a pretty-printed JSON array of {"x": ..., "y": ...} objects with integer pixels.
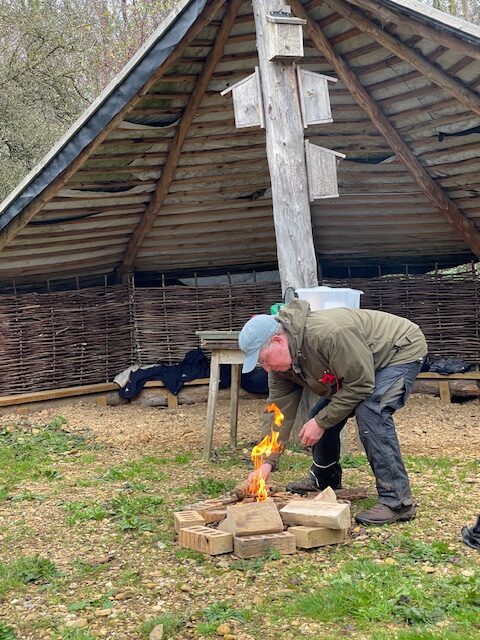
[{"x": 224, "y": 348}]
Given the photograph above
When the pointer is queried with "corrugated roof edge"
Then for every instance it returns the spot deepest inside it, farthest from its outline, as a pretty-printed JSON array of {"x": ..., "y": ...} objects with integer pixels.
[
  {"x": 413, "y": 8},
  {"x": 112, "y": 99}
]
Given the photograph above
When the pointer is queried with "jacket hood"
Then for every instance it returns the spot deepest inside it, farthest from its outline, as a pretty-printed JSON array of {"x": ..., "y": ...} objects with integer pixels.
[{"x": 292, "y": 317}]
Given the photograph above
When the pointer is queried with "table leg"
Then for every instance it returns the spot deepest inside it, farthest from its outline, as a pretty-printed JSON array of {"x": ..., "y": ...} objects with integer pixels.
[
  {"x": 212, "y": 403},
  {"x": 234, "y": 390}
]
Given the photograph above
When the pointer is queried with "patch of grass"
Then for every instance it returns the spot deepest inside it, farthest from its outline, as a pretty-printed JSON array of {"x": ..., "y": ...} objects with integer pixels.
[
  {"x": 7, "y": 633},
  {"x": 27, "y": 496},
  {"x": 24, "y": 570},
  {"x": 171, "y": 624},
  {"x": 139, "y": 513},
  {"x": 98, "y": 603},
  {"x": 27, "y": 455},
  {"x": 422, "y": 464},
  {"x": 183, "y": 458},
  {"x": 81, "y": 511},
  {"x": 254, "y": 565},
  {"x": 369, "y": 592},
  {"x": 427, "y": 634},
  {"x": 219, "y": 612},
  {"x": 84, "y": 568},
  {"x": 190, "y": 554},
  {"x": 353, "y": 461},
  {"x": 211, "y": 488},
  {"x": 145, "y": 468},
  {"x": 75, "y": 634}
]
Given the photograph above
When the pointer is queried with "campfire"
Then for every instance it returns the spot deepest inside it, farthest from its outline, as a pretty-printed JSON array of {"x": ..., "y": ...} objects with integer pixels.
[{"x": 256, "y": 518}]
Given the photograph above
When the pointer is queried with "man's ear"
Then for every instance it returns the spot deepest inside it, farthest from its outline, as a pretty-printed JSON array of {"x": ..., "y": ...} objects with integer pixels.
[{"x": 279, "y": 338}]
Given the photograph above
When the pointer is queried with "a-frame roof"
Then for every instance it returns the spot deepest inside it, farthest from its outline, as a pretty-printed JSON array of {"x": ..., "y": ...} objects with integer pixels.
[{"x": 155, "y": 177}]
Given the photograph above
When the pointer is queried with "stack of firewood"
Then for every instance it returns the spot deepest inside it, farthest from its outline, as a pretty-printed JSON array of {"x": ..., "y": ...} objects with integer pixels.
[{"x": 250, "y": 528}]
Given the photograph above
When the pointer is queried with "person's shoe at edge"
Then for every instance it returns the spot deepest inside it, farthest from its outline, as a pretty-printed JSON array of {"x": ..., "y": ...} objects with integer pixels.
[
  {"x": 305, "y": 485},
  {"x": 382, "y": 514}
]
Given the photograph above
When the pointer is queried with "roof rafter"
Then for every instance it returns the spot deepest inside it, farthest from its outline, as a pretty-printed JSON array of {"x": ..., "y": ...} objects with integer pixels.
[
  {"x": 455, "y": 88},
  {"x": 436, "y": 35},
  {"x": 175, "y": 150},
  {"x": 462, "y": 225},
  {"x": 23, "y": 218}
]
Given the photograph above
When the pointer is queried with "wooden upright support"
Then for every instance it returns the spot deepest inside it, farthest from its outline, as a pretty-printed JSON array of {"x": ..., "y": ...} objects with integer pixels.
[{"x": 286, "y": 158}]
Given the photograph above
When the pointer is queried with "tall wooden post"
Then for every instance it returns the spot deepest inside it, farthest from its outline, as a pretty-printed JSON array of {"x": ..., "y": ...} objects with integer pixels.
[{"x": 286, "y": 159}]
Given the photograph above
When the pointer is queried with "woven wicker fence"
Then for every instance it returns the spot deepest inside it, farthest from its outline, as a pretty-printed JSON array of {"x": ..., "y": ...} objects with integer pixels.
[{"x": 64, "y": 339}]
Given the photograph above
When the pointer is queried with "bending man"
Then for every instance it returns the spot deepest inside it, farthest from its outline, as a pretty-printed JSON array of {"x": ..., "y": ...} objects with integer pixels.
[{"x": 362, "y": 363}]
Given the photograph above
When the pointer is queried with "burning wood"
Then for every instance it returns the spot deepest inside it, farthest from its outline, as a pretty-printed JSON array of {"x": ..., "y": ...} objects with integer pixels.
[{"x": 264, "y": 449}]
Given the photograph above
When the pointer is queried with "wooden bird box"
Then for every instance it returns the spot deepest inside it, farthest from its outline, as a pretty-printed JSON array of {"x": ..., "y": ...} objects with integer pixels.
[
  {"x": 247, "y": 101},
  {"x": 314, "y": 97},
  {"x": 284, "y": 36},
  {"x": 321, "y": 171}
]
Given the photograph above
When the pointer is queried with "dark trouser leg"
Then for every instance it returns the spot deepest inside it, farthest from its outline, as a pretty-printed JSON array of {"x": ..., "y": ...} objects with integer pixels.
[
  {"x": 326, "y": 470},
  {"x": 378, "y": 435}
]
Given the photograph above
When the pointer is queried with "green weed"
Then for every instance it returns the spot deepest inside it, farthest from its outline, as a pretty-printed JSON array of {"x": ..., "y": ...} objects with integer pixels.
[
  {"x": 211, "y": 487},
  {"x": 190, "y": 554},
  {"x": 81, "y": 511},
  {"x": 145, "y": 468},
  {"x": 219, "y": 612},
  {"x": 171, "y": 624},
  {"x": 253, "y": 565},
  {"x": 183, "y": 458},
  {"x": 353, "y": 461},
  {"x": 24, "y": 570},
  {"x": 75, "y": 634},
  {"x": 139, "y": 513},
  {"x": 7, "y": 633}
]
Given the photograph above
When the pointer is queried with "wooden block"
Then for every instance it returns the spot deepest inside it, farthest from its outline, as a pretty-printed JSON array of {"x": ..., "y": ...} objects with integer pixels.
[
  {"x": 253, "y": 518},
  {"x": 101, "y": 401},
  {"x": 206, "y": 540},
  {"x": 310, "y": 537},
  {"x": 172, "y": 400},
  {"x": 214, "y": 515},
  {"x": 183, "y": 519},
  {"x": 327, "y": 495},
  {"x": 253, "y": 546},
  {"x": 311, "y": 513}
]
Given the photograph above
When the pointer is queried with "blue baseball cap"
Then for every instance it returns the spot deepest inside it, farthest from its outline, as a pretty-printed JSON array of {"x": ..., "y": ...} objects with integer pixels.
[{"x": 253, "y": 336}]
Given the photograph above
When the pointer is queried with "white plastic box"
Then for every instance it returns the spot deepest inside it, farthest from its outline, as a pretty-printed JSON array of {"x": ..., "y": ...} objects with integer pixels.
[{"x": 330, "y": 297}]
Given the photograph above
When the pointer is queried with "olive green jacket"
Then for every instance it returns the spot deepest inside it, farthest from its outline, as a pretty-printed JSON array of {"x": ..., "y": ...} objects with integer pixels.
[{"x": 350, "y": 344}]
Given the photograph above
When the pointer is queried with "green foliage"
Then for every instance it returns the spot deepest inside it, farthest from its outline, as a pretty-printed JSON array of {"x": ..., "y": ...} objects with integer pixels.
[
  {"x": 29, "y": 454},
  {"x": 25, "y": 570},
  {"x": 171, "y": 624},
  {"x": 183, "y": 458},
  {"x": 81, "y": 511},
  {"x": 98, "y": 603},
  {"x": 211, "y": 487},
  {"x": 145, "y": 468},
  {"x": 7, "y": 633},
  {"x": 370, "y": 592},
  {"x": 352, "y": 461},
  {"x": 75, "y": 634},
  {"x": 136, "y": 512},
  {"x": 219, "y": 612},
  {"x": 253, "y": 565},
  {"x": 190, "y": 554}
]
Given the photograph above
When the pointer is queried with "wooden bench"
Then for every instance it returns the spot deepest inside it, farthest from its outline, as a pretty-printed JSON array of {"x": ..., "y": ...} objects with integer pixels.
[
  {"x": 68, "y": 392},
  {"x": 443, "y": 381}
]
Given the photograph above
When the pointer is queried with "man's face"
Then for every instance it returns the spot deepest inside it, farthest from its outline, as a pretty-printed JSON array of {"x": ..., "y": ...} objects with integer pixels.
[{"x": 275, "y": 356}]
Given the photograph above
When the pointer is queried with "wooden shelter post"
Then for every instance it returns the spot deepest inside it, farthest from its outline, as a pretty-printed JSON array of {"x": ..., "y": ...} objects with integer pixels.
[{"x": 286, "y": 159}]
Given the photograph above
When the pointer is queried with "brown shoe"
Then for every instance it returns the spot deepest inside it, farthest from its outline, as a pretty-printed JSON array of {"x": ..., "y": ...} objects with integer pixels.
[{"x": 381, "y": 514}]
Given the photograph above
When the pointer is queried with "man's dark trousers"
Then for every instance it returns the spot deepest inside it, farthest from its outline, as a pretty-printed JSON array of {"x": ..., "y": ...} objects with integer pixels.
[{"x": 377, "y": 432}]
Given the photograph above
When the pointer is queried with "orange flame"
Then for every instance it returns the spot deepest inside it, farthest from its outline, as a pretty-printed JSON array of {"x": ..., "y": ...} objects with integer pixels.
[{"x": 262, "y": 450}]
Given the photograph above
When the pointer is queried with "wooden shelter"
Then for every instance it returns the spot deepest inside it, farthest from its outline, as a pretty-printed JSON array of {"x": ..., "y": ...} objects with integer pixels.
[{"x": 156, "y": 180}]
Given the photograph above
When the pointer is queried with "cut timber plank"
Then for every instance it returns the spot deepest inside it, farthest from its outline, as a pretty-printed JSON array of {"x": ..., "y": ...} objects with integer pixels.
[
  {"x": 253, "y": 546},
  {"x": 214, "y": 515},
  {"x": 468, "y": 375},
  {"x": 327, "y": 495},
  {"x": 253, "y": 518},
  {"x": 183, "y": 519},
  {"x": 310, "y": 537},
  {"x": 311, "y": 513},
  {"x": 206, "y": 540}
]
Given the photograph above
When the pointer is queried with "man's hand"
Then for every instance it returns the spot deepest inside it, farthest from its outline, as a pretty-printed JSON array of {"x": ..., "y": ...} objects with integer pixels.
[
  {"x": 264, "y": 471},
  {"x": 311, "y": 433}
]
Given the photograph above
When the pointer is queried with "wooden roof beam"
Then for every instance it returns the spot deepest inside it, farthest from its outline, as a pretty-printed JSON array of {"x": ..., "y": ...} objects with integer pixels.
[
  {"x": 175, "y": 149},
  {"x": 462, "y": 225},
  {"x": 416, "y": 26},
  {"x": 24, "y": 217},
  {"x": 455, "y": 88}
]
